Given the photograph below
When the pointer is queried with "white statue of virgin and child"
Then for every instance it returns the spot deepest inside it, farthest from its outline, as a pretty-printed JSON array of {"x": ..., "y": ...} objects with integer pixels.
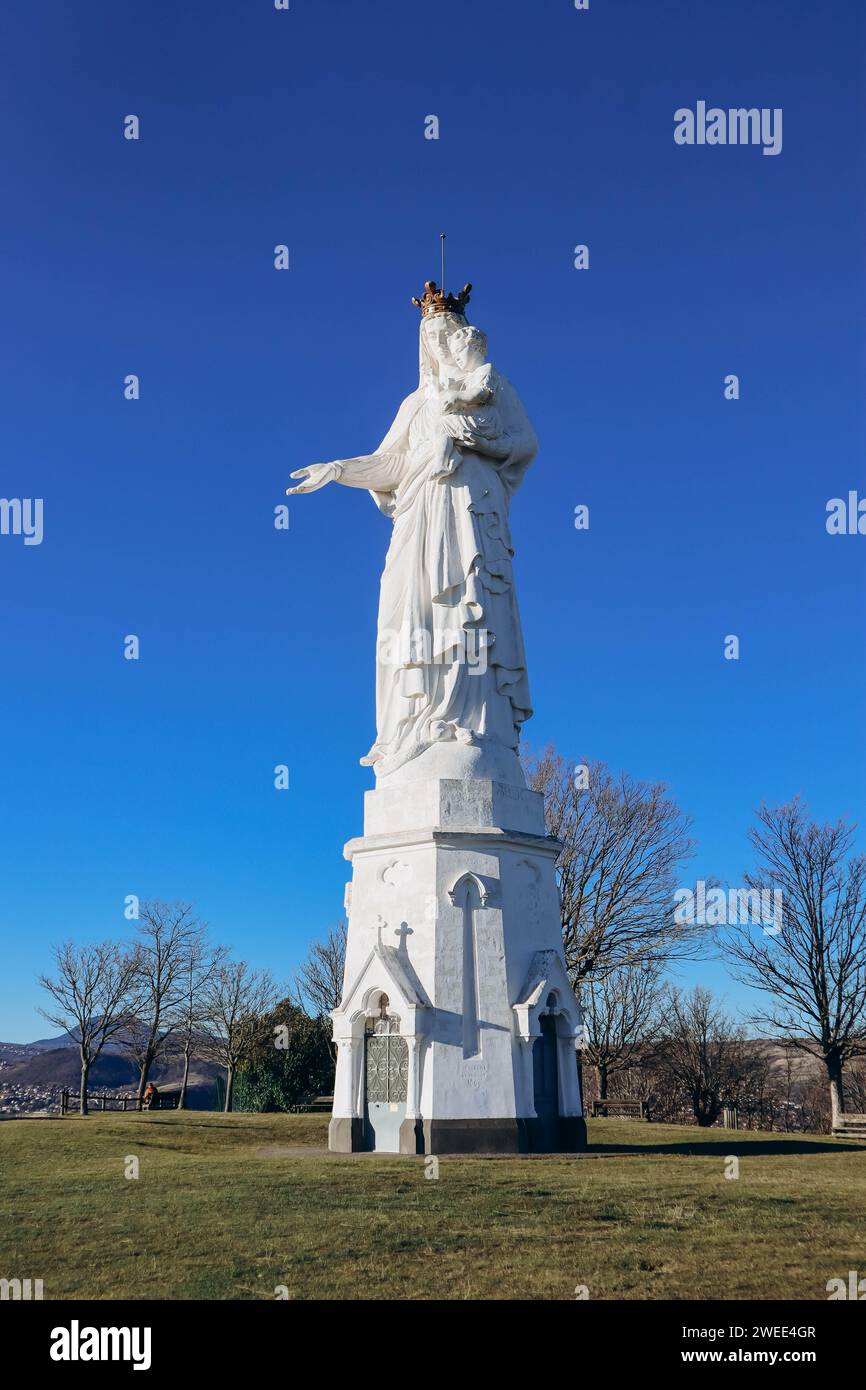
[{"x": 451, "y": 683}]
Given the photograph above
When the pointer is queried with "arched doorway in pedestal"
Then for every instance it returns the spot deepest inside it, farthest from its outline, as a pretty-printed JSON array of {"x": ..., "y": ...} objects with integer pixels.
[
  {"x": 386, "y": 1073},
  {"x": 545, "y": 1078}
]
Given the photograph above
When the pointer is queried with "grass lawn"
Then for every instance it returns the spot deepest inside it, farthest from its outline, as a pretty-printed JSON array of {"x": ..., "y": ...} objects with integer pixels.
[{"x": 216, "y": 1213}]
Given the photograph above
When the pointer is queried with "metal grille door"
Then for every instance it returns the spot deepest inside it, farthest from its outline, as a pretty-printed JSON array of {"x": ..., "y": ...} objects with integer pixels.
[
  {"x": 387, "y": 1068},
  {"x": 386, "y": 1075}
]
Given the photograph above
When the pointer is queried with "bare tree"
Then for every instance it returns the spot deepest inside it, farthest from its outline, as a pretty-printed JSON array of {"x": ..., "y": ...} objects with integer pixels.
[
  {"x": 319, "y": 981},
  {"x": 855, "y": 1088},
  {"x": 200, "y": 964},
  {"x": 760, "y": 1094},
  {"x": 812, "y": 963},
  {"x": 620, "y": 1012},
  {"x": 788, "y": 1078},
  {"x": 167, "y": 932},
  {"x": 93, "y": 991},
  {"x": 623, "y": 843},
  {"x": 703, "y": 1053},
  {"x": 239, "y": 1001}
]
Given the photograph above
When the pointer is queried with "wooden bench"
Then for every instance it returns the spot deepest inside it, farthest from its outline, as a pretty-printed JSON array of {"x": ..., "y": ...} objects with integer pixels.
[
  {"x": 164, "y": 1102},
  {"x": 320, "y": 1105},
  {"x": 625, "y": 1109}
]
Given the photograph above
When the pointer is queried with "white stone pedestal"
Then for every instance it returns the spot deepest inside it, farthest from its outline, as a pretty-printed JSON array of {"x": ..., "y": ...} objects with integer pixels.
[{"x": 454, "y": 947}]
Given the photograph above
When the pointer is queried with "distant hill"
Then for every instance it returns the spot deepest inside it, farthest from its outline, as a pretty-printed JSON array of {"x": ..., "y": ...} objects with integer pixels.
[
  {"x": 69, "y": 1040},
  {"x": 51, "y": 1044},
  {"x": 41, "y": 1045}
]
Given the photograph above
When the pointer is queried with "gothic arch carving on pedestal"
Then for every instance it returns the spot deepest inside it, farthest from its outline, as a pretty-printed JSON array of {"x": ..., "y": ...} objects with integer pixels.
[
  {"x": 465, "y": 884},
  {"x": 469, "y": 894}
]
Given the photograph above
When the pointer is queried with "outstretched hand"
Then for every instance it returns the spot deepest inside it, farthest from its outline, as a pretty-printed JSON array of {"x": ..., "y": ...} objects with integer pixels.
[{"x": 314, "y": 477}]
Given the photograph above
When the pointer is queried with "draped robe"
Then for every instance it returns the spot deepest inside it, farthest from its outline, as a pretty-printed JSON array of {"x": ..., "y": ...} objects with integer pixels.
[{"x": 450, "y": 657}]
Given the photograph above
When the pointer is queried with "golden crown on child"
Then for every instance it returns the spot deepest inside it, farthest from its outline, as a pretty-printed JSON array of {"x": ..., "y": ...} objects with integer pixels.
[{"x": 436, "y": 301}]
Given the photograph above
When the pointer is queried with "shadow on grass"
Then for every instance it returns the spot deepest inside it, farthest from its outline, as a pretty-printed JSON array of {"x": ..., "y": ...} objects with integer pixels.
[{"x": 721, "y": 1147}]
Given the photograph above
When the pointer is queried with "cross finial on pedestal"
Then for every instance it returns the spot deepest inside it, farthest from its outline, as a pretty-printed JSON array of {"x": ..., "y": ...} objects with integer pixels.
[
  {"x": 402, "y": 931},
  {"x": 382, "y": 924}
]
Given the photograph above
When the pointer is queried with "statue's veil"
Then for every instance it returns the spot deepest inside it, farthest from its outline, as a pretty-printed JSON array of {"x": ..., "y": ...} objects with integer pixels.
[
  {"x": 524, "y": 443},
  {"x": 396, "y": 440}
]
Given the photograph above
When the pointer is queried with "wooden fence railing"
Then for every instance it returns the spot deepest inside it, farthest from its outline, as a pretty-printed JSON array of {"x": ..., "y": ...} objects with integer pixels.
[{"x": 71, "y": 1100}]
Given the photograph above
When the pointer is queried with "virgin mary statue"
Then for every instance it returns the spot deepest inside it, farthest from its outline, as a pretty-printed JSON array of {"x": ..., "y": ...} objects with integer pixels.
[{"x": 451, "y": 684}]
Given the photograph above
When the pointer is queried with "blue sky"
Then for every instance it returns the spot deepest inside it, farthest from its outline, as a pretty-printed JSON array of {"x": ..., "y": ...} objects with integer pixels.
[{"x": 155, "y": 257}]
